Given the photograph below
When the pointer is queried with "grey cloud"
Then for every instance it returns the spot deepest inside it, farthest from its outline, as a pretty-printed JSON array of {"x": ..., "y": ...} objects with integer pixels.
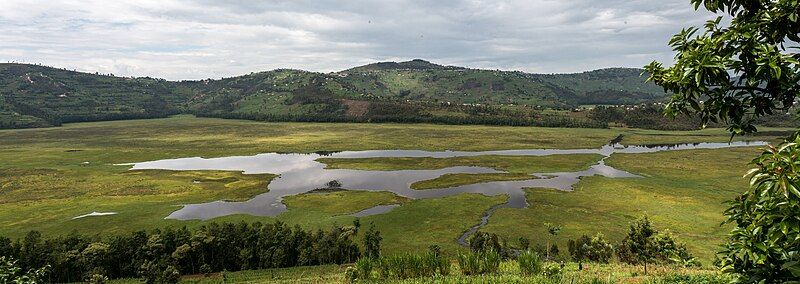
[{"x": 178, "y": 39}]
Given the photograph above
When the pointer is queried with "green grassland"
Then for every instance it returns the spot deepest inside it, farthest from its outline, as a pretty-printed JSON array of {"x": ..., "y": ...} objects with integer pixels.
[
  {"x": 48, "y": 176},
  {"x": 682, "y": 191},
  {"x": 511, "y": 164},
  {"x": 451, "y": 180},
  {"x": 508, "y": 273}
]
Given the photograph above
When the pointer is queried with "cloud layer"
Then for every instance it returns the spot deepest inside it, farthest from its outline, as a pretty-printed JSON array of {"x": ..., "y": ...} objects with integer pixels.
[{"x": 194, "y": 39}]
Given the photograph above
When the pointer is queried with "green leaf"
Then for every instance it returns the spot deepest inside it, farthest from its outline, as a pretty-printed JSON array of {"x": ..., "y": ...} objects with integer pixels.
[{"x": 793, "y": 267}]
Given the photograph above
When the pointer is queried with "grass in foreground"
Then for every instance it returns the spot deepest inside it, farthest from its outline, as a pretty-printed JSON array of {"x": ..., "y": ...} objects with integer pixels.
[{"x": 508, "y": 273}]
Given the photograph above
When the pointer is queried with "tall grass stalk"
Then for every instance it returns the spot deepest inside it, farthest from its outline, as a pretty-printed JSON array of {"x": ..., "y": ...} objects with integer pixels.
[{"x": 530, "y": 263}]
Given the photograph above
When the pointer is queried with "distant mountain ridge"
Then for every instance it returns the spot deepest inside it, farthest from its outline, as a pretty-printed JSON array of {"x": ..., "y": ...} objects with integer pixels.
[
  {"x": 414, "y": 64},
  {"x": 410, "y": 91}
]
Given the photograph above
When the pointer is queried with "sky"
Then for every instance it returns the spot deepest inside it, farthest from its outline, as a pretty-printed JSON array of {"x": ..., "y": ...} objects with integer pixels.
[{"x": 197, "y": 39}]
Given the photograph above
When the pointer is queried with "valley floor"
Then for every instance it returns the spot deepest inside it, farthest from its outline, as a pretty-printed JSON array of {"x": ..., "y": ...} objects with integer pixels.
[{"x": 48, "y": 176}]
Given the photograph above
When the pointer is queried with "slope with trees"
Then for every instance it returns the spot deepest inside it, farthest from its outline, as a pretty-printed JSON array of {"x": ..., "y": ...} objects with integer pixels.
[{"x": 413, "y": 91}]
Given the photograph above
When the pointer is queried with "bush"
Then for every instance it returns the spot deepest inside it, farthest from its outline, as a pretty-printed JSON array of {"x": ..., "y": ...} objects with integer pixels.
[
  {"x": 158, "y": 272},
  {"x": 482, "y": 242},
  {"x": 596, "y": 249},
  {"x": 97, "y": 279},
  {"x": 364, "y": 268},
  {"x": 405, "y": 266},
  {"x": 644, "y": 244},
  {"x": 552, "y": 270},
  {"x": 10, "y": 272},
  {"x": 351, "y": 274},
  {"x": 530, "y": 263},
  {"x": 478, "y": 263}
]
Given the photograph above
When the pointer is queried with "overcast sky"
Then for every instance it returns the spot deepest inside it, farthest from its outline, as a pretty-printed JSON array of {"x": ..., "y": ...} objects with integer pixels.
[{"x": 197, "y": 39}]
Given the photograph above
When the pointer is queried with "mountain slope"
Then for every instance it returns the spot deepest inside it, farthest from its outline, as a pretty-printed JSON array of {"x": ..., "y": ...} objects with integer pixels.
[
  {"x": 417, "y": 90},
  {"x": 42, "y": 96}
]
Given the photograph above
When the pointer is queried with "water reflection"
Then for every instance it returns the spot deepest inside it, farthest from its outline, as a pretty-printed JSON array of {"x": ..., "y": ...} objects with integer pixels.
[{"x": 300, "y": 173}]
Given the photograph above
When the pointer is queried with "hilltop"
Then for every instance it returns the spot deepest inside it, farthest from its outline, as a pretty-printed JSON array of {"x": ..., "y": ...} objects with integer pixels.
[{"x": 411, "y": 91}]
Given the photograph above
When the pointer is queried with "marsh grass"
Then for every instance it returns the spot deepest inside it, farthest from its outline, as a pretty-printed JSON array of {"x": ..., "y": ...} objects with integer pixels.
[
  {"x": 452, "y": 180},
  {"x": 530, "y": 263},
  {"x": 408, "y": 265},
  {"x": 479, "y": 263}
]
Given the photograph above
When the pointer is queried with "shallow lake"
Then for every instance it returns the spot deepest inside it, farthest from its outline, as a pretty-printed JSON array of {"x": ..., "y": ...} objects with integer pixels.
[{"x": 301, "y": 173}]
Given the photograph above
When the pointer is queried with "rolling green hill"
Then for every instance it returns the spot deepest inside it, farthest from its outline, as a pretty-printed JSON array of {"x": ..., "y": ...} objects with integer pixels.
[{"x": 412, "y": 91}]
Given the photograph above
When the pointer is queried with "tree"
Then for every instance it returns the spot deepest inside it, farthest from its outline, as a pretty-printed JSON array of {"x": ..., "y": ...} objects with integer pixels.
[
  {"x": 644, "y": 244},
  {"x": 372, "y": 242},
  {"x": 553, "y": 231},
  {"x": 158, "y": 272},
  {"x": 10, "y": 272},
  {"x": 734, "y": 74},
  {"x": 764, "y": 245},
  {"x": 638, "y": 246},
  {"x": 596, "y": 249}
]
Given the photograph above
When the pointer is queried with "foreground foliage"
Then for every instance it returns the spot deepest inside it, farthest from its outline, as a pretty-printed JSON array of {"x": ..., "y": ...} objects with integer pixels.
[
  {"x": 645, "y": 245},
  {"x": 508, "y": 272},
  {"x": 766, "y": 241},
  {"x": 735, "y": 74},
  {"x": 10, "y": 272},
  {"x": 161, "y": 256}
]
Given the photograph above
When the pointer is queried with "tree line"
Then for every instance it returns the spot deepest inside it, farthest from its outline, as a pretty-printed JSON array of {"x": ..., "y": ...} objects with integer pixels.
[
  {"x": 545, "y": 121},
  {"x": 162, "y": 255},
  {"x": 643, "y": 244}
]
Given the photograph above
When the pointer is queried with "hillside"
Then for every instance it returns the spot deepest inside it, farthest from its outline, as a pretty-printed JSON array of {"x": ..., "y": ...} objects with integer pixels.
[{"x": 412, "y": 91}]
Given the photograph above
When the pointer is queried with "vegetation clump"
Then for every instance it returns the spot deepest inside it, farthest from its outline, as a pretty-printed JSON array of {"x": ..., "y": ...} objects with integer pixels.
[
  {"x": 479, "y": 263},
  {"x": 530, "y": 263},
  {"x": 644, "y": 244},
  {"x": 161, "y": 256},
  {"x": 594, "y": 249}
]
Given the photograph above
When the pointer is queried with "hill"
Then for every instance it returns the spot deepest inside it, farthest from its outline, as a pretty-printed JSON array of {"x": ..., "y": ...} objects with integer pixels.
[{"x": 412, "y": 91}]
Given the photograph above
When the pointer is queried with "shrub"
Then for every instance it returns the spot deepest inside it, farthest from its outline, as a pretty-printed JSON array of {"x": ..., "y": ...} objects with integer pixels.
[
  {"x": 596, "y": 249},
  {"x": 351, "y": 274},
  {"x": 552, "y": 269},
  {"x": 97, "y": 279},
  {"x": 482, "y": 242},
  {"x": 10, "y": 272},
  {"x": 405, "y": 266},
  {"x": 477, "y": 263},
  {"x": 645, "y": 245},
  {"x": 364, "y": 268},
  {"x": 529, "y": 263},
  {"x": 469, "y": 263},
  {"x": 158, "y": 272}
]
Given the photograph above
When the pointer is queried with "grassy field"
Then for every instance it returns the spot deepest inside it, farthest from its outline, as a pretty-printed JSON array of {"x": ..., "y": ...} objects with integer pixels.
[
  {"x": 451, "y": 180},
  {"x": 511, "y": 164},
  {"x": 689, "y": 205},
  {"x": 48, "y": 176},
  {"x": 508, "y": 273}
]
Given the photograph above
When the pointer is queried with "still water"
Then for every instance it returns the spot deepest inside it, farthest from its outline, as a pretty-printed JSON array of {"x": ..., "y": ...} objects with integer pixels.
[{"x": 300, "y": 173}]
